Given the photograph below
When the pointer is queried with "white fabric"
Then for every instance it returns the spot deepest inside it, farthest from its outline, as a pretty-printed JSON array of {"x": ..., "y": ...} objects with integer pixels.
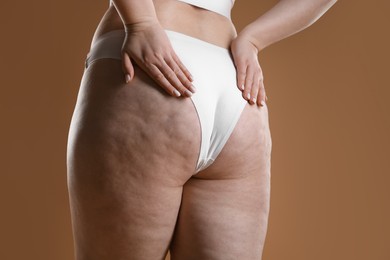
[
  {"x": 217, "y": 100},
  {"x": 222, "y": 7}
]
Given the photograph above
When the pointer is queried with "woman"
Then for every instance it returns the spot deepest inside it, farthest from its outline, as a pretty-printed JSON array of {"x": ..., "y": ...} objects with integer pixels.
[{"x": 169, "y": 146}]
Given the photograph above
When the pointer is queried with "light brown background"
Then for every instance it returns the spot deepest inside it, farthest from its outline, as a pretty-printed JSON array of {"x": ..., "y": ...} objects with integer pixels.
[{"x": 329, "y": 114}]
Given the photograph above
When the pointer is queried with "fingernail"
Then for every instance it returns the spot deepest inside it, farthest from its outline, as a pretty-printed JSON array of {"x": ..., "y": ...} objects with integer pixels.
[
  {"x": 242, "y": 87},
  {"x": 177, "y": 93},
  {"x": 192, "y": 88},
  {"x": 191, "y": 78},
  {"x": 254, "y": 100},
  {"x": 262, "y": 103},
  {"x": 128, "y": 78},
  {"x": 188, "y": 92},
  {"x": 248, "y": 96}
]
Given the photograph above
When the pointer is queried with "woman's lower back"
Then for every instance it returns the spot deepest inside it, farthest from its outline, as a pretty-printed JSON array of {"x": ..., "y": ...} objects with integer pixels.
[{"x": 181, "y": 17}]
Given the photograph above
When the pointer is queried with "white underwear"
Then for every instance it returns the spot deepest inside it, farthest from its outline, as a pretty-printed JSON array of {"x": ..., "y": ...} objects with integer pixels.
[{"x": 217, "y": 99}]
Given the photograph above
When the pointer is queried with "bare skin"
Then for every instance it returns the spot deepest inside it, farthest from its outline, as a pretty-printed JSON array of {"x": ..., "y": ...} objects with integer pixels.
[{"x": 132, "y": 151}]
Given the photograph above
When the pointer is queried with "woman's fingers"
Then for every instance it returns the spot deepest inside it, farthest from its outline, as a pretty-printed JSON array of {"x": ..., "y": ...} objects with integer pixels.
[
  {"x": 178, "y": 79},
  {"x": 171, "y": 76},
  {"x": 165, "y": 71},
  {"x": 168, "y": 78},
  {"x": 127, "y": 67},
  {"x": 253, "y": 86},
  {"x": 249, "y": 72},
  {"x": 248, "y": 85},
  {"x": 241, "y": 72},
  {"x": 182, "y": 67},
  {"x": 261, "y": 96},
  {"x": 150, "y": 48},
  {"x": 161, "y": 79}
]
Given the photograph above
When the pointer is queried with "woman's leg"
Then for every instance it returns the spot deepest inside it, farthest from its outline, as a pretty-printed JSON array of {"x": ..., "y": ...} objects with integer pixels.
[
  {"x": 130, "y": 150},
  {"x": 224, "y": 212}
]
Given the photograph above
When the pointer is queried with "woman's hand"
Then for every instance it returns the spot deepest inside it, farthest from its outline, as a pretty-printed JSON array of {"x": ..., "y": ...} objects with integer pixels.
[
  {"x": 148, "y": 45},
  {"x": 249, "y": 74}
]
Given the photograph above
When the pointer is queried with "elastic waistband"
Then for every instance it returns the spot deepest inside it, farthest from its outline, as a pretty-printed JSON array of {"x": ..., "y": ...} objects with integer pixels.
[
  {"x": 111, "y": 34},
  {"x": 121, "y": 33},
  {"x": 195, "y": 40}
]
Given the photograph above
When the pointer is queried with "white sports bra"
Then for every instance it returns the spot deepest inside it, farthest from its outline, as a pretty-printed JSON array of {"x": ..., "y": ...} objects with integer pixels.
[{"x": 222, "y": 7}]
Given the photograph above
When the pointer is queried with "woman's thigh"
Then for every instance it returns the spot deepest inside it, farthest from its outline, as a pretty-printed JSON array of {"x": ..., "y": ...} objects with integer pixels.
[
  {"x": 131, "y": 147},
  {"x": 224, "y": 212}
]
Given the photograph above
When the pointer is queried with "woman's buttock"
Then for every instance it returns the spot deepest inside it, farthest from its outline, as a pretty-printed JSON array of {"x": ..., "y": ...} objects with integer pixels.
[
  {"x": 140, "y": 119},
  {"x": 136, "y": 123}
]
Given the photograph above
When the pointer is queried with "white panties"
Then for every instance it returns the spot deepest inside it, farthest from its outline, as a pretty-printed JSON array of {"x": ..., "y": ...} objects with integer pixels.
[{"x": 217, "y": 99}]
